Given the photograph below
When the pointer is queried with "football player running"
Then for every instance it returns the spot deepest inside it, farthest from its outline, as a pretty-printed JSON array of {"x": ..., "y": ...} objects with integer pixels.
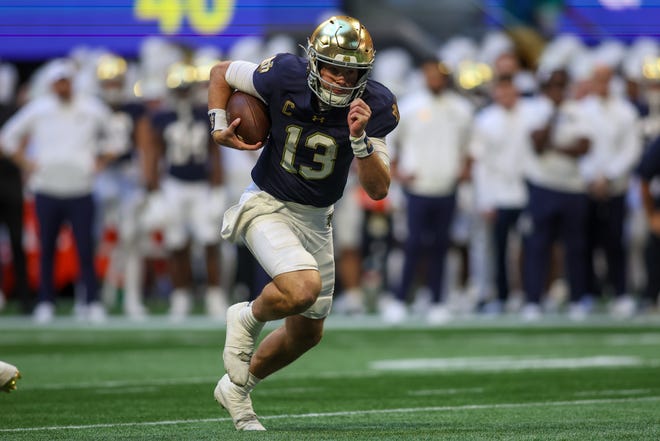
[{"x": 324, "y": 112}]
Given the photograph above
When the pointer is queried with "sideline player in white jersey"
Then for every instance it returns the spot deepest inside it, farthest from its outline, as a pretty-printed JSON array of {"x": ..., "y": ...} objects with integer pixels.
[
  {"x": 324, "y": 113},
  {"x": 557, "y": 206},
  {"x": 607, "y": 169},
  {"x": 119, "y": 188},
  {"x": 193, "y": 192},
  {"x": 500, "y": 145},
  {"x": 431, "y": 159}
]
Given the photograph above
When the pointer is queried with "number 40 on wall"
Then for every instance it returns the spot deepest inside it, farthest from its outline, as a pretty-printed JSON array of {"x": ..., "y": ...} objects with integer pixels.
[{"x": 205, "y": 17}]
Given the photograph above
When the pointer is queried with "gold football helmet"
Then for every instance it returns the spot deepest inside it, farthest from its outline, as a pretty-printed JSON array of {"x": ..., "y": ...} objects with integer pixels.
[
  {"x": 181, "y": 75},
  {"x": 111, "y": 73},
  {"x": 111, "y": 67},
  {"x": 341, "y": 41}
]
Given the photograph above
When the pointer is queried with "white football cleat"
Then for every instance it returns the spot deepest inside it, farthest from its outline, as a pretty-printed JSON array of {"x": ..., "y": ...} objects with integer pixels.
[
  {"x": 351, "y": 302},
  {"x": 577, "y": 312},
  {"x": 394, "y": 311},
  {"x": 216, "y": 304},
  {"x": 438, "y": 314},
  {"x": 531, "y": 312},
  {"x": 238, "y": 403},
  {"x": 44, "y": 312},
  {"x": 96, "y": 313},
  {"x": 623, "y": 307},
  {"x": 135, "y": 310},
  {"x": 8, "y": 377},
  {"x": 180, "y": 305},
  {"x": 239, "y": 345}
]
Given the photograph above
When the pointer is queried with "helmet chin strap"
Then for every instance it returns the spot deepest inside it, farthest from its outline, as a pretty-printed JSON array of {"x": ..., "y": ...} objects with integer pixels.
[
  {"x": 323, "y": 106},
  {"x": 326, "y": 94},
  {"x": 334, "y": 100}
]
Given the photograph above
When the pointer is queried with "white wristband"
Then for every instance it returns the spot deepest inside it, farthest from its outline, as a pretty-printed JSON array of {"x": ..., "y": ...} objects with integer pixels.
[
  {"x": 361, "y": 145},
  {"x": 217, "y": 119}
]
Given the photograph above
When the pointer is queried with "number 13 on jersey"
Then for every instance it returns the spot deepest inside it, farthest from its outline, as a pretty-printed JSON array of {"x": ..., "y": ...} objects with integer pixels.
[{"x": 325, "y": 154}]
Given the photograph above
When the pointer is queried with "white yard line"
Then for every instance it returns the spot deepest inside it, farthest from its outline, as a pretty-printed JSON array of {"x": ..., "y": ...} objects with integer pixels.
[
  {"x": 600, "y": 393},
  {"x": 646, "y": 339},
  {"x": 119, "y": 386},
  {"x": 383, "y": 367},
  {"x": 369, "y": 321},
  {"x": 497, "y": 364},
  {"x": 351, "y": 413},
  {"x": 429, "y": 392},
  {"x": 121, "y": 383},
  {"x": 279, "y": 391},
  {"x": 148, "y": 382}
]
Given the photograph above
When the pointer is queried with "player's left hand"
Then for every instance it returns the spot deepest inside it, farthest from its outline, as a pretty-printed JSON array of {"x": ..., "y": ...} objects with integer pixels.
[
  {"x": 228, "y": 138},
  {"x": 600, "y": 188},
  {"x": 358, "y": 117}
]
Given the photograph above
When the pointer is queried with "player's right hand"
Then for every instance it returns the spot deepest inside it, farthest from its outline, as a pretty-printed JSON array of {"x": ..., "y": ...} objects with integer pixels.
[
  {"x": 358, "y": 117},
  {"x": 228, "y": 138}
]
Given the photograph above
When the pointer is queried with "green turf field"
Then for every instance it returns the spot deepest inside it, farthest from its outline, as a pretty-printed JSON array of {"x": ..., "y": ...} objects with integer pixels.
[{"x": 472, "y": 380}]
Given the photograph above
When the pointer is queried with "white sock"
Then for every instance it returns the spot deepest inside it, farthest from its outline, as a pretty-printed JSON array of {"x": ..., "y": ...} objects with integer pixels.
[
  {"x": 252, "y": 382},
  {"x": 216, "y": 291},
  {"x": 180, "y": 292},
  {"x": 249, "y": 386},
  {"x": 133, "y": 277},
  {"x": 250, "y": 322}
]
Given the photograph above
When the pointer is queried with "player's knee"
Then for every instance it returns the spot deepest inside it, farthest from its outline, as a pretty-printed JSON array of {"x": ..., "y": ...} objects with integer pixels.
[
  {"x": 304, "y": 299},
  {"x": 304, "y": 292}
]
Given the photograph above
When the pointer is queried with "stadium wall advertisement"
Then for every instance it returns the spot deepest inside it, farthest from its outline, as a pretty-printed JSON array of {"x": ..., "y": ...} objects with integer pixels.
[
  {"x": 40, "y": 29},
  {"x": 598, "y": 20}
]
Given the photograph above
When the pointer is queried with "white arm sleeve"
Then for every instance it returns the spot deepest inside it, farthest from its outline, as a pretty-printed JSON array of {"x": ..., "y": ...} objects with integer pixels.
[
  {"x": 380, "y": 148},
  {"x": 239, "y": 76}
]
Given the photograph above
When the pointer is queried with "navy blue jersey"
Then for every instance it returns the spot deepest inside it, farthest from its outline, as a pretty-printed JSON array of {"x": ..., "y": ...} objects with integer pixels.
[
  {"x": 308, "y": 153},
  {"x": 123, "y": 123},
  {"x": 186, "y": 142},
  {"x": 649, "y": 168}
]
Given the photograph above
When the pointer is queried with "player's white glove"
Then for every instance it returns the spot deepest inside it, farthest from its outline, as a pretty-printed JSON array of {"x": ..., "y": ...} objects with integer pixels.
[{"x": 155, "y": 212}]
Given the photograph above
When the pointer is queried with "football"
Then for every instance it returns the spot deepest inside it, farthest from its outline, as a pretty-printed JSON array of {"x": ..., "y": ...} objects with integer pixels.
[{"x": 255, "y": 121}]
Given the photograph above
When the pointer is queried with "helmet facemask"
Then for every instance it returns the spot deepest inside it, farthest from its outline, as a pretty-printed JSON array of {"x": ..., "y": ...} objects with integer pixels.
[
  {"x": 111, "y": 74},
  {"x": 341, "y": 42}
]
